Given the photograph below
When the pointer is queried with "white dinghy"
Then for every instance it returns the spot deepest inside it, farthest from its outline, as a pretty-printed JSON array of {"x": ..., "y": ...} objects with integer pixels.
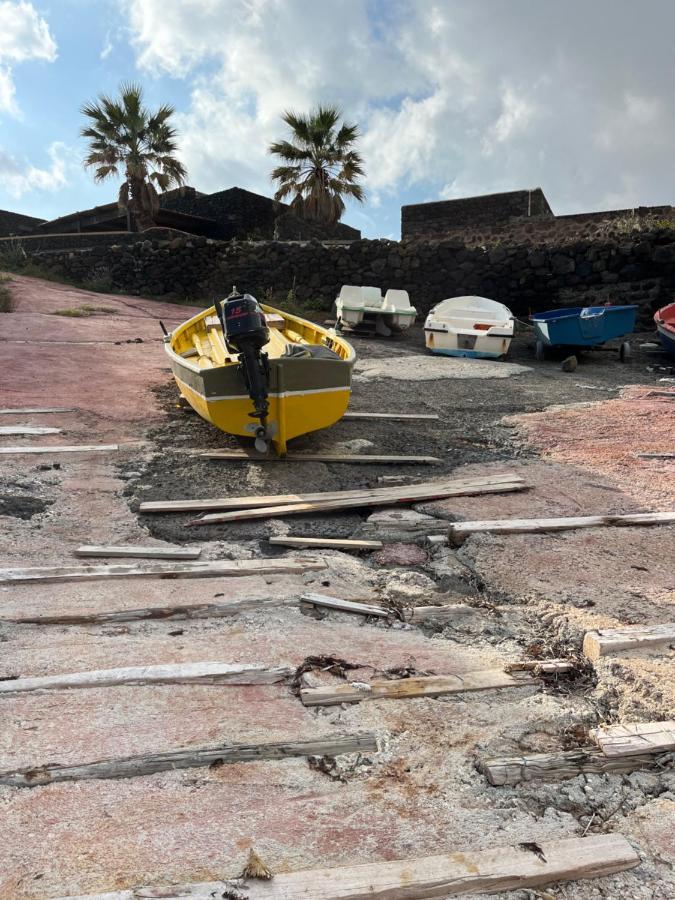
[
  {"x": 469, "y": 326},
  {"x": 362, "y": 307}
]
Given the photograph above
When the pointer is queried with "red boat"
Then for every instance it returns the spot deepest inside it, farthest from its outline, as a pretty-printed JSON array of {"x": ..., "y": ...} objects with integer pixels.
[{"x": 665, "y": 325}]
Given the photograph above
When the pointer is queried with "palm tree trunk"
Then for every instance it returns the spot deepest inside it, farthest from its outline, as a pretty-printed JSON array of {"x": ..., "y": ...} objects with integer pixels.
[{"x": 141, "y": 217}]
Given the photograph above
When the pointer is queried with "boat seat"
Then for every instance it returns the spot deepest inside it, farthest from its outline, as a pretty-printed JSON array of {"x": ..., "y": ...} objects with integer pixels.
[
  {"x": 371, "y": 296},
  {"x": 350, "y": 295},
  {"x": 395, "y": 299}
]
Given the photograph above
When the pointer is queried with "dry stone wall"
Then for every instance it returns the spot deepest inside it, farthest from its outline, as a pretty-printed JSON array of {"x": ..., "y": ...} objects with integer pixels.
[{"x": 638, "y": 268}]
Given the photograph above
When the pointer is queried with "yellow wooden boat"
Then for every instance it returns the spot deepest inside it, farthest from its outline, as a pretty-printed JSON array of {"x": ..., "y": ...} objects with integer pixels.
[{"x": 260, "y": 372}]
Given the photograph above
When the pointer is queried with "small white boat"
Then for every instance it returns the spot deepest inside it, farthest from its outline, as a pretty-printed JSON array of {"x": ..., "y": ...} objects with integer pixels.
[
  {"x": 469, "y": 326},
  {"x": 365, "y": 306}
]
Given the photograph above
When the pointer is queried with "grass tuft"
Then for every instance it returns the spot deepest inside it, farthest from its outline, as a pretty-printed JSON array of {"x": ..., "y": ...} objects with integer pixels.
[{"x": 80, "y": 312}]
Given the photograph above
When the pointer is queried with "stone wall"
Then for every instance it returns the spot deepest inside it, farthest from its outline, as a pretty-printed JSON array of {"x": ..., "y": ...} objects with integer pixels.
[
  {"x": 638, "y": 267},
  {"x": 447, "y": 217}
]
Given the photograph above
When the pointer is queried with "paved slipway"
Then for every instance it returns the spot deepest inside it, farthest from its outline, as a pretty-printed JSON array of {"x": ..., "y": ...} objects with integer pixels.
[{"x": 572, "y": 436}]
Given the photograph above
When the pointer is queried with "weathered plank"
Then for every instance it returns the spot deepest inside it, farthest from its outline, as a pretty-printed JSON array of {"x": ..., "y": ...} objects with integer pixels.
[
  {"x": 635, "y": 739},
  {"x": 543, "y": 666},
  {"x": 178, "y": 611},
  {"x": 139, "y": 552},
  {"x": 656, "y": 455},
  {"x": 388, "y": 497},
  {"x": 28, "y": 429},
  {"x": 525, "y": 865},
  {"x": 172, "y": 673},
  {"x": 420, "y": 686},
  {"x": 228, "y": 503},
  {"x": 393, "y": 417},
  {"x": 60, "y": 448},
  {"x": 188, "y": 758},
  {"x": 605, "y": 641},
  {"x": 34, "y": 410},
  {"x": 509, "y": 770},
  {"x": 351, "y": 458},
  {"x": 449, "y": 612},
  {"x": 212, "y": 569},
  {"x": 328, "y": 543},
  {"x": 460, "y": 530},
  {"x": 351, "y": 606}
]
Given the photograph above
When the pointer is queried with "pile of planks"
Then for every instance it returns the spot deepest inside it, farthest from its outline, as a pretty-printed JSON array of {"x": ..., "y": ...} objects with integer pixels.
[
  {"x": 272, "y": 506},
  {"x": 615, "y": 748}
]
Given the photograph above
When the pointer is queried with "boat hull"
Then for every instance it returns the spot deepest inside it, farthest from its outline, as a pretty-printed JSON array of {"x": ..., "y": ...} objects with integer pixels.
[
  {"x": 305, "y": 394},
  {"x": 469, "y": 327},
  {"x": 665, "y": 327}
]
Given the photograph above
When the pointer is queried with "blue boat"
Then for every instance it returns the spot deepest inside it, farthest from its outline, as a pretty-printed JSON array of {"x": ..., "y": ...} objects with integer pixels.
[{"x": 587, "y": 327}]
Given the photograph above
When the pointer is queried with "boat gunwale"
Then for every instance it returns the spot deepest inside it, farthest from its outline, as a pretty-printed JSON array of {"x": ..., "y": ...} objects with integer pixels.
[{"x": 211, "y": 310}]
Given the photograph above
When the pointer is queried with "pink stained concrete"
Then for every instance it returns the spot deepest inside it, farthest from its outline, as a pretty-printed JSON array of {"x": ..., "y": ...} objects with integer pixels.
[
  {"x": 74, "y": 361},
  {"x": 606, "y": 437},
  {"x": 53, "y": 650}
]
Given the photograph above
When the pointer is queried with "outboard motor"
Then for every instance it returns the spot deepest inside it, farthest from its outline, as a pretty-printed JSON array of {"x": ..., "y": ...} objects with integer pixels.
[{"x": 246, "y": 333}]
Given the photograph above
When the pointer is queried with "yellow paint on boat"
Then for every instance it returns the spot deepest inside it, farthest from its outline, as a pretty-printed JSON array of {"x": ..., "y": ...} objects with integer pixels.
[{"x": 305, "y": 394}]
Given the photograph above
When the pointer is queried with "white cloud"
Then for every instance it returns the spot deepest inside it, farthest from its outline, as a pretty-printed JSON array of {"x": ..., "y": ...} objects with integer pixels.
[
  {"x": 453, "y": 97},
  {"x": 20, "y": 177},
  {"x": 24, "y": 35}
]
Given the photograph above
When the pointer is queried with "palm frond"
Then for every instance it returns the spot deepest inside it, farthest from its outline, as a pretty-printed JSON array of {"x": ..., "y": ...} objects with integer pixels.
[
  {"x": 320, "y": 164},
  {"x": 123, "y": 135}
]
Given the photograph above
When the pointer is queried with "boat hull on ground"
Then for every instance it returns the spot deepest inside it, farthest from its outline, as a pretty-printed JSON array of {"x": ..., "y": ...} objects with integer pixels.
[
  {"x": 665, "y": 326},
  {"x": 305, "y": 394},
  {"x": 469, "y": 327}
]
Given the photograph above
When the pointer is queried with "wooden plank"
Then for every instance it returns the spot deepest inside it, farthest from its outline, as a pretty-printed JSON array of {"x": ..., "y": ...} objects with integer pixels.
[
  {"x": 351, "y": 606},
  {"x": 393, "y": 417},
  {"x": 670, "y": 395},
  {"x": 460, "y": 530},
  {"x": 415, "y": 615},
  {"x": 353, "y": 458},
  {"x": 28, "y": 429},
  {"x": 213, "y": 569},
  {"x": 450, "y": 612},
  {"x": 35, "y": 410},
  {"x": 543, "y": 666},
  {"x": 656, "y": 455},
  {"x": 636, "y": 739},
  {"x": 228, "y": 503},
  {"x": 139, "y": 552},
  {"x": 178, "y": 611},
  {"x": 388, "y": 498},
  {"x": 172, "y": 673},
  {"x": 188, "y": 758},
  {"x": 59, "y": 448},
  {"x": 606, "y": 641},
  {"x": 525, "y": 865},
  {"x": 422, "y": 686},
  {"x": 329, "y": 543},
  {"x": 510, "y": 770}
]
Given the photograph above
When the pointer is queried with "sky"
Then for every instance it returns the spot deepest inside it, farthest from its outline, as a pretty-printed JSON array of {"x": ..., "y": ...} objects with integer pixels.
[{"x": 453, "y": 98}]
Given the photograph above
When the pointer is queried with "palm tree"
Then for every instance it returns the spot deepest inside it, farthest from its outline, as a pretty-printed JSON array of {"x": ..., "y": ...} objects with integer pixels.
[
  {"x": 320, "y": 165},
  {"x": 125, "y": 138}
]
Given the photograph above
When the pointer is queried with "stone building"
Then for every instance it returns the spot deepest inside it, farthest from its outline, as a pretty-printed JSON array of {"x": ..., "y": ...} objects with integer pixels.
[
  {"x": 224, "y": 215},
  {"x": 446, "y": 217},
  {"x": 12, "y": 224}
]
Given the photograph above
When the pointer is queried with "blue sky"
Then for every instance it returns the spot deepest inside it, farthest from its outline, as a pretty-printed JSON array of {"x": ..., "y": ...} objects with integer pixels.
[{"x": 453, "y": 97}]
